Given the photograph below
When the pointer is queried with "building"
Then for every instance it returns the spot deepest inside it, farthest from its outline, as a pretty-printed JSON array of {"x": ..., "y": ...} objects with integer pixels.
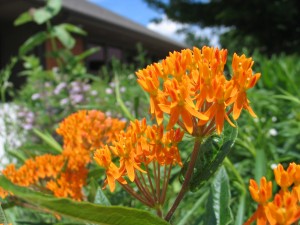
[{"x": 116, "y": 35}]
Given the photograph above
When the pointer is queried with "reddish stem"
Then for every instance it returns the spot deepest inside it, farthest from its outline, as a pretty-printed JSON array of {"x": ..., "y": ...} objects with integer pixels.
[{"x": 187, "y": 178}]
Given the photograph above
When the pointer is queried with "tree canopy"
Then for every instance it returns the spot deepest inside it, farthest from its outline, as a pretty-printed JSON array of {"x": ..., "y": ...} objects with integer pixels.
[{"x": 272, "y": 26}]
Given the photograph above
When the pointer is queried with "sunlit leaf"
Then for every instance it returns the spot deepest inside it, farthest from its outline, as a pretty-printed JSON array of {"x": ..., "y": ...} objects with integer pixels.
[
  {"x": 23, "y": 18},
  {"x": 83, "y": 211},
  {"x": 64, "y": 36}
]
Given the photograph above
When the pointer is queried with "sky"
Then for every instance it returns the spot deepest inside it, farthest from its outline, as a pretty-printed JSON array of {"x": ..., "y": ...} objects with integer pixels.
[
  {"x": 136, "y": 10},
  {"x": 139, "y": 12}
]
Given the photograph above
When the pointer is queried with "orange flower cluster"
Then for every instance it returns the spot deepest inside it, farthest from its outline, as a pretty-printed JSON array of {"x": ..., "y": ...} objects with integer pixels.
[
  {"x": 136, "y": 148},
  {"x": 65, "y": 174},
  {"x": 191, "y": 85},
  {"x": 284, "y": 209}
]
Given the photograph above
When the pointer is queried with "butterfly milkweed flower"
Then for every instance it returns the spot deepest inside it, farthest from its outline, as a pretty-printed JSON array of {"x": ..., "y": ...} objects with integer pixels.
[
  {"x": 144, "y": 155},
  {"x": 65, "y": 174},
  {"x": 191, "y": 87},
  {"x": 284, "y": 208}
]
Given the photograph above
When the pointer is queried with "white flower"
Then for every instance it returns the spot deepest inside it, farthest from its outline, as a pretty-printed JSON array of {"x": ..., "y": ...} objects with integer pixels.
[
  {"x": 112, "y": 84},
  {"x": 131, "y": 76},
  {"x": 273, "y": 166},
  {"x": 94, "y": 92},
  {"x": 274, "y": 118},
  {"x": 122, "y": 89},
  {"x": 47, "y": 84},
  {"x": 108, "y": 91},
  {"x": 273, "y": 132}
]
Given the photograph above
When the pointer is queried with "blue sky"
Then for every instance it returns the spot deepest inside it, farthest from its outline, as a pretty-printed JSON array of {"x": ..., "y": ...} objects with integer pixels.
[
  {"x": 139, "y": 12},
  {"x": 136, "y": 10}
]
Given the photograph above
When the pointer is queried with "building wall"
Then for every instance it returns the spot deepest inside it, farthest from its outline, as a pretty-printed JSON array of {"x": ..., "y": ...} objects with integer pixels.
[{"x": 50, "y": 62}]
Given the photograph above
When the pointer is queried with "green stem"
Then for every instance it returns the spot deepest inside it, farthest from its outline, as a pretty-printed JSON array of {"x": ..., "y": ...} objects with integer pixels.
[
  {"x": 120, "y": 101},
  {"x": 187, "y": 178}
]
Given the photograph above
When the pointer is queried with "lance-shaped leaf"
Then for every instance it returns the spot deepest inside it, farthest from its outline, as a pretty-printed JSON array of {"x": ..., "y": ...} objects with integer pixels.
[
  {"x": 32, "y": 42},
  {"x": 218, "y": 211},
  {"x": 3, "y": 219},
  {"x": 83, "y": 211}
]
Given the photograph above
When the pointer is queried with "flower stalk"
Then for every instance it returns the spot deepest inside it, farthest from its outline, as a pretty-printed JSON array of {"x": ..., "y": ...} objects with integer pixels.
[{"x": 187, "y": 178}]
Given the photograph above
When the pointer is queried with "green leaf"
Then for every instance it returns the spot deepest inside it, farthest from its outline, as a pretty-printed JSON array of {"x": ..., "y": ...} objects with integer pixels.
[
  {"x": 44, "y": 14},
  {"x": 209, "y": 216},
  {"x": 3, "y": 219},
  {"x": 23, "y": 18},
  {"x": 96, "y": 194},
  {"x": 101, "y": 198},
  {"x": 32, "y": 42},
  {"x": 73, "y": 29},
  {"x": 86, "y": 53},
  {"x": 64, "y": 36},
  {"x": 212, "y": 153},
  {"x": 83, "y": 211},
  {"x": 239, "y": 220},
  {"x": 18, "y": 155},
  {"x": 54, "y": 5},
  {"x": 218, "y": 211},
  {"x": 190, "y": 212},
  {"x": 47, "y": 138}
]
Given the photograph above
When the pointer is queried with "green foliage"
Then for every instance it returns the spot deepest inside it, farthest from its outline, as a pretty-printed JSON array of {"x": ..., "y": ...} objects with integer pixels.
[
  {"x": 40, "y": 15},
  {"x": 5, "y": 73},
  {"x": 83, "y": 211},
  {"x": 212, "y": 153},
  {"x": 263, "y": 25},
  {"x": 49, "y": 95}
]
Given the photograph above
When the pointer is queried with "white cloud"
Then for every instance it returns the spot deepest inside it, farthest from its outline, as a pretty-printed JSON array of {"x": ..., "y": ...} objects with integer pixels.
[{"x": 168, "y": 28}]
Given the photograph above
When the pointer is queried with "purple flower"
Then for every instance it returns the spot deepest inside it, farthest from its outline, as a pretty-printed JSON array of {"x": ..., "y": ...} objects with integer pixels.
[
  {"x": 59, "y": 87},
  {"x": 76, "y": 98},
  {"x": 64, "y": 101},
  {"x": 35, "y": 96}
]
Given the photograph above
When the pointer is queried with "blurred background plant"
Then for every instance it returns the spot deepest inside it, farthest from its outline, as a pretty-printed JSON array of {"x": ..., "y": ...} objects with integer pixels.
[{"x": 48, "y": 96}]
